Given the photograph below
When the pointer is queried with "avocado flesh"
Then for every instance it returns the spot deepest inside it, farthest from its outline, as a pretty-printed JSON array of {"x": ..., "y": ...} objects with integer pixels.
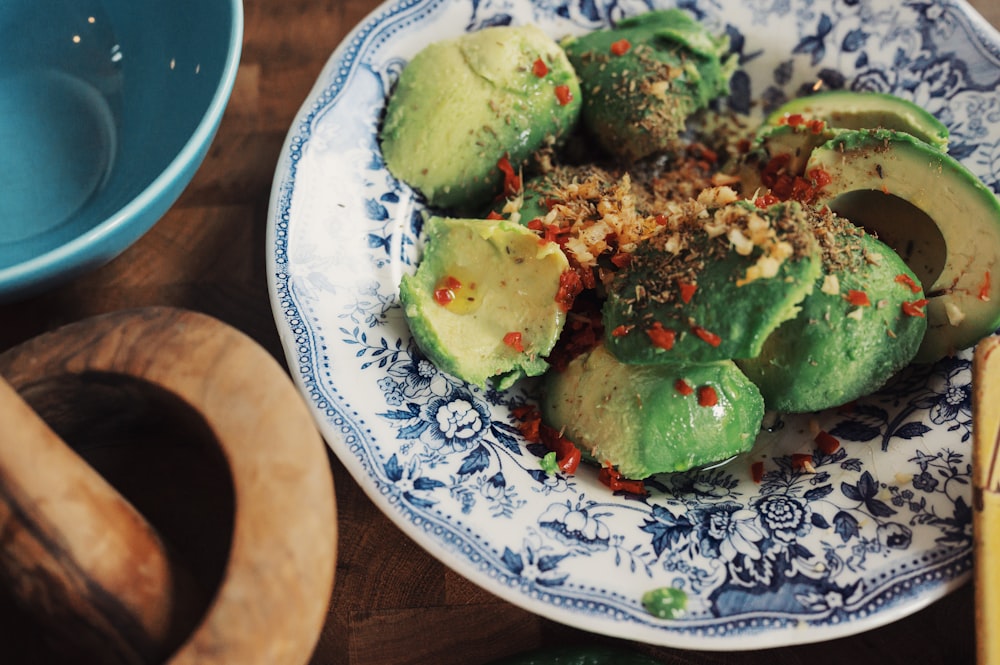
[
  {"x": 637, "y": 102},
  {"x": 460, "y": 105},
  {"x": 848, "y": 109},
  {"x": 964, "y": 297},
  {"x": 836, "y": 350},
  {"x": 635, "y": 418},
  {"x": 726, "y": 302},
  {"x": 501, "y": 280}
]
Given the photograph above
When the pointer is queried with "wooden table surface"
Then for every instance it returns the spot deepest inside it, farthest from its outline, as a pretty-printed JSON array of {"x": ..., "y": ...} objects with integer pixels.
[{"x": 393, "y": 604}]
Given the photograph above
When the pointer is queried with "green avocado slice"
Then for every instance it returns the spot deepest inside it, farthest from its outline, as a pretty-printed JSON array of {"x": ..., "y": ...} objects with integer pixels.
[
  {"x": 482, "y": 305},
  {"x": 462, "y": 104},
  {"x": 713, "y": 288},
  {"x": 643, "y": 78},
  {"x": 848, "y": 109},
  {"x": 647, "y": 419},
  {"x": 941, "y": 219},
  {"x": 855, "y": 330}
]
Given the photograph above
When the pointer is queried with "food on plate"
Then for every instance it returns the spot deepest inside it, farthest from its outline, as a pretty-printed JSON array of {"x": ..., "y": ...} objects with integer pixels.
[
  {"x": 861, "y": 324},
  {"x": 943, "y": 221},
  {"x": 713, "y": 284},
  {"x": 647, "y": 419},
  {"x": 462, "y": 106},
  {"x": 484, "y": 303},
  {"x": 644, "y": 77},
  {"x": 695, "y": 270},
  {"x": 850, "y": 109}
]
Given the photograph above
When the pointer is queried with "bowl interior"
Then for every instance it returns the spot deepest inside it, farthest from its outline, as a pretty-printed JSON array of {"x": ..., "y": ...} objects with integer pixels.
[{"x": 107, "y": 107}]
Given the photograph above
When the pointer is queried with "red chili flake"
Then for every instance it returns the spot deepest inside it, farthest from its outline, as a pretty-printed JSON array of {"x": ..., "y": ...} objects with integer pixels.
[
  {"x": 826, "y": 442},
  {"x": 540, "y": 69},
  {"x": 621, "y": 259},
  {"x": 511, "y": 181},
  {"x": 908, "y": 282},
  {"x": 570, "y": 286},
  {"x": 793, "y": 120},
  {"x": 620, "y": 47},
  {"x": 820, "y": 177},
  {"x": 858, "y": 298},
  {"x": 707, "y": 396},
  {"x": 984, "y": 289},
  {"x": 445, "y": 291},
  {"x": 493, "y": 214},
  {"x": 568, "y": 456},
  {"x": 803, "y": 462},
  {"x": 621, "y": 330},
  {"x": 766, "y": 201},
  {"x": 687, "y": 291},
  {"x": 660, "y": 336},
  {"x": 563, "y": 94},
  {"x": 613, "y": 478},
  {"x": 757, "y": 471},
  {"x": 915, "y": 308},
  {"x": 514, "y": 341},
  {"x": 706, "y": 335},
  {"x": 683, "y": 387}
]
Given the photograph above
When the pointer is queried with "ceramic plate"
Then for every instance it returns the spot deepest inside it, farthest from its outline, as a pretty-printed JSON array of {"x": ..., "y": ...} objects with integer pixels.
[{"x": 881, "y": 528}]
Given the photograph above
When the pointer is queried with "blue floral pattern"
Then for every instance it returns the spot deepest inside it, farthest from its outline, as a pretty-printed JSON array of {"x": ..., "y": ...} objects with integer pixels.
[{"x": 821, "y": 544}]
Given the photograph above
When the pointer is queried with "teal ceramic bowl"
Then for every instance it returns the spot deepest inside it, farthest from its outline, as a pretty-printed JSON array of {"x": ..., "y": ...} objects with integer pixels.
[{"x": 107, "y": 109}]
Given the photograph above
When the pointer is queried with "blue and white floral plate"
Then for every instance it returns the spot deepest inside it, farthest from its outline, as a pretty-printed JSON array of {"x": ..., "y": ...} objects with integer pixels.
[{"x": 883, "y": 526}]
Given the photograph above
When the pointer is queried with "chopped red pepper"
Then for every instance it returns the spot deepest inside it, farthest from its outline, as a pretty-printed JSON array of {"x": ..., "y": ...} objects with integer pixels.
[
  {"x": 793, "y": 120},
  {"x": 564, "y": 95},
  {"x": 511, "y": 180},
  {"x": 661, "y": 220},
  {"x": 493, "y": 214},
  {"x": 766, "y": 201},
  {"x": 915, "y": 308},
  {"x": 570, "y": 286},
  {"x": 858, "y": 298},
  {"x": 816, "y": 126},
  {"x": 445, "y": 291},
  {"x": 683, "y": 387},
  {"x": 984, "y": 289},
  {"x": 707, "y": 396},
  {"x": 533, "y": 430},
  {"x": 820, "y": 177},
  {"x": 687, "y": 291},
  {"x": 660, "y": 336},
  {"x": 621, "y": 330},
  {"x": 706, "y": 335},
  {"x": 803, "y": 462},
  {"x": 613, "y": 478},
  {"x": 620, "y": 47},
  {"x": 908, "y": 282},
  {"x": 514, "y": 341},
  {"x": 757, "y": 471},
  {"x": 540, "y": 69},
  {"x": 826, "y": 442},
  {"x": 621, "y": 259}
]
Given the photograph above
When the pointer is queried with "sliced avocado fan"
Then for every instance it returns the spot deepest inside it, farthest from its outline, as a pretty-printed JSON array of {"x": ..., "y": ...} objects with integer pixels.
[{"x": 940, "y": 218}]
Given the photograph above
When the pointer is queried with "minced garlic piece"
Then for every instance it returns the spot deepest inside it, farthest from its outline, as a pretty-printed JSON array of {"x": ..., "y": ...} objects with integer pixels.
[
  {"x": 831, "y": 285},
  {"x": 955, "y": 315}
]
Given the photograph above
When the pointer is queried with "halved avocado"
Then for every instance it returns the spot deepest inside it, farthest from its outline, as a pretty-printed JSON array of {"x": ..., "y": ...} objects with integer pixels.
[
  {"x": 714, "y": 287},
  {"x": 853, "y": 333},
  {"x": 849, "y": 109},
  {"x": 940, "y": 218},
  {"x": 646, "y": 419},
  {"x": 482, "y": 305}
]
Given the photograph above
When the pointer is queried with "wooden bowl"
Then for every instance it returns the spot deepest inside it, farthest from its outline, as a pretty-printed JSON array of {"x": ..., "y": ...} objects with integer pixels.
[{"x": 190, "y": 514}]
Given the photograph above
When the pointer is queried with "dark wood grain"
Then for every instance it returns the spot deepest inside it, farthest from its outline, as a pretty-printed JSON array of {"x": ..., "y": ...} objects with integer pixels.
[{"x": 393, "y": 604}]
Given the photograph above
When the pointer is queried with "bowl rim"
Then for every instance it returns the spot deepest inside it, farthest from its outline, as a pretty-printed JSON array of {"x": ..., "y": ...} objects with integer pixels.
[{"x": 73, "y": 255}]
